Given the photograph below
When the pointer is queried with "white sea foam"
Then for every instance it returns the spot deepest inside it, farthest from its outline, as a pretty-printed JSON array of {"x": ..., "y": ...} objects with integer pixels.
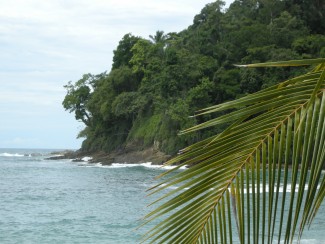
[
  {"x": 146, "y": 165},
  {"x": 56, "y": 155},
  {"x": 126, "y": 165},
  {"x": 11, "y": 155},
  {"x": 86, "y": 159},
  {"x": 92, "y": 165}
]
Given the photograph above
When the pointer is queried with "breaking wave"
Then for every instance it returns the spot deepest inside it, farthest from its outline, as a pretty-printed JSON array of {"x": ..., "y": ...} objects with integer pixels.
[{"x": 11, "y": 155}]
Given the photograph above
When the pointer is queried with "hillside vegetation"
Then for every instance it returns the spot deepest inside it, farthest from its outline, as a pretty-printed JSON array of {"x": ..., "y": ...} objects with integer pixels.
[{"x": 157, "y": 84}]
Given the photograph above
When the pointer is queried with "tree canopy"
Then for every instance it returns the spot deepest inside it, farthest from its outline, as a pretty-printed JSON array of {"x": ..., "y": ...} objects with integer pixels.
[{"x": 156, "y": 84}]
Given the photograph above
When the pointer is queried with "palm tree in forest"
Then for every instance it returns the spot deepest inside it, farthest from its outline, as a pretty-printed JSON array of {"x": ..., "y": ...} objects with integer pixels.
[
  {"x": 159, "y": 37},
  {"x": 261, "y": 179}
]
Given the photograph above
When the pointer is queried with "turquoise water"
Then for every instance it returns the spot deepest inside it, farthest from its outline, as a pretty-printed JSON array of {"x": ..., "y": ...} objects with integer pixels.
[
  {"x": 64, "y": 202},
  {"x": 45, "y": 201}
]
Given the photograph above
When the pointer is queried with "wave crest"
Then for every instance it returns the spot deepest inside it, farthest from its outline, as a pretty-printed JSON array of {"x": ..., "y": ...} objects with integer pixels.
[
  {"x": 146, "y": 165},
  {"x": 11, "y": 155}
]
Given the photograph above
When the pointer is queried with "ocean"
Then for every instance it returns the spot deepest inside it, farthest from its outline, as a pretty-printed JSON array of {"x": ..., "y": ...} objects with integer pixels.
[{"x": 45, "y": 201}]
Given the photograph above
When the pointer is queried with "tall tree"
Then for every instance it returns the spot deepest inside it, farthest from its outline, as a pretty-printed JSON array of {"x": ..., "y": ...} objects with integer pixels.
[
  {"x": 77, "y": 97},
  {"x": 123, "y": 54},
  {"x": 159, "y": 37}
]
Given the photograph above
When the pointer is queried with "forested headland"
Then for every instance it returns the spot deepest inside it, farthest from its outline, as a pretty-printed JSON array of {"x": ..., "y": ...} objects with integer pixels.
[{"x": 157, "y": 84}]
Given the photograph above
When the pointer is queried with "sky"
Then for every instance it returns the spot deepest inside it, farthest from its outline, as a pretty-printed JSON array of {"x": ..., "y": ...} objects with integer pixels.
[{"x": 46, "y": 44}]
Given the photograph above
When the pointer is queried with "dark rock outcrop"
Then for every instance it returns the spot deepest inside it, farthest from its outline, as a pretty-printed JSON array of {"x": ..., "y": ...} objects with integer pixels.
[{"x": 124, "y": 156}]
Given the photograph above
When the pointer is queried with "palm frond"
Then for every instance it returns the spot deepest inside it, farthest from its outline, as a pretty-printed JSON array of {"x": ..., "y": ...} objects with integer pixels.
[
  {"x": 302, "y": 62},
  {"x": 261, "y": 179}
]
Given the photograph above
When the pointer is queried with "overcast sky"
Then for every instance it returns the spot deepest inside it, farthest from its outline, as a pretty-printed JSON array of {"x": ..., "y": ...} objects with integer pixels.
[{"x": 45, "y": 44}]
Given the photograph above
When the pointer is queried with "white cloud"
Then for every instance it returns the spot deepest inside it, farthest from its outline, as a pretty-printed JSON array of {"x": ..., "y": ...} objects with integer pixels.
[{"x": 45, "y": 44}]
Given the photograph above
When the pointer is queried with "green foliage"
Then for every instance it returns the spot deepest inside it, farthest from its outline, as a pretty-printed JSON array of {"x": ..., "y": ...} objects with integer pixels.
[
  {"x": 123, "y": 54},
  {"x": 123, "y": 80},
  {"x": 156, "y": 84},
  {"x": 263, "y": 174},
  {"x": 145, "y": 129},
  {"x": 77, "y": 97},
  {"x": 199, "y": 96},
  {"x": 285, "y": 29},
  {"x": 128, "y": 104},
  {"x": 227, "y": 82},
  {"x": 309, "y": 46},
  {"x": 140, "y": 55}
]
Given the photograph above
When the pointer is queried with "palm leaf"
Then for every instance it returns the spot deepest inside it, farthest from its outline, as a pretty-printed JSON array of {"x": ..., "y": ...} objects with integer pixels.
[{"x": 258, "y": 181}]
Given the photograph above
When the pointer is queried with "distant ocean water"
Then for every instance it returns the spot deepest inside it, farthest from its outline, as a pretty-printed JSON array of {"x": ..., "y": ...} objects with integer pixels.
[{"x": 45, "y": 201}]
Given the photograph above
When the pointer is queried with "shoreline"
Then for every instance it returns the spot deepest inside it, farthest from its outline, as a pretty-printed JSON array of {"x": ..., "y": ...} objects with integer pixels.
[{"x": 152, "y": 155}]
